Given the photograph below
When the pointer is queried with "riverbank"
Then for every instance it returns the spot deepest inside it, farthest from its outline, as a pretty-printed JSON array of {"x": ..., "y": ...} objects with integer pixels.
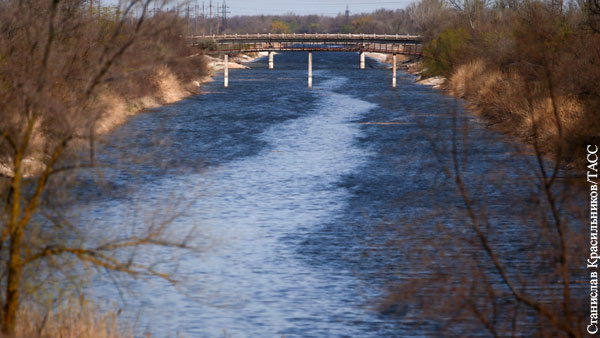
[
  {"x": 169, "y": 89},
  {"x": 113, "y": 106},
  {"x": 164, "y": 85},
  {"x": 530, "y": 72},
  {"x": 410, "y": 65},
  {"x": 73, "y": 318},
  {"x": 339, "y": 162},
  {"x": 557, "y": 124}
]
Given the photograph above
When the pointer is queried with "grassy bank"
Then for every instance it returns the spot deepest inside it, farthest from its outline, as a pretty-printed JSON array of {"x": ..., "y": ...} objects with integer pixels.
[
  {"x": 557, "y": 122},
  {"x": 68, "y": 75},
  {"x": 530, "y": 68},
  {"x": 72, "y": 319},
  {"x": 78, "y": 73}
]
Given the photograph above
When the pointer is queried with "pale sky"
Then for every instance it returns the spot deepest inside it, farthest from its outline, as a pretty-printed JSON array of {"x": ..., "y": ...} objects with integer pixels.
[
  {"x": 328, "y": 8},
  {"x": 302, "y": 7}
]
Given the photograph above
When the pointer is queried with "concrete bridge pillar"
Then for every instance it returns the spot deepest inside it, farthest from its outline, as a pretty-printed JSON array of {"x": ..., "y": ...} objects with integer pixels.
[
  {"x": 362, "y": 60},
  {"x": 271, "y": 62},
  {"x": 226, "y": 72},
  {"x": 309, "y": 69},
  {"x": 394, "y": 70}
]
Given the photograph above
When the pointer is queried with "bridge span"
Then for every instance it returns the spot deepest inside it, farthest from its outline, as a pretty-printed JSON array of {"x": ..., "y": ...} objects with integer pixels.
[{"x": 361, "y": 43}]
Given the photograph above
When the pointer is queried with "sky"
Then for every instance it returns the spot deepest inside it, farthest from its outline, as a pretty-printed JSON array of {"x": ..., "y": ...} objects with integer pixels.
[
  {"x": 324, "y": 7},
  {"x": 275, "y": 7},
  {"x": 302, "y": 7}
]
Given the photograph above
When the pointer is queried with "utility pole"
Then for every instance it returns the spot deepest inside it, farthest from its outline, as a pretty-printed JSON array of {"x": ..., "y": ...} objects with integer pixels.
[
  {"x": 196, "y": 17},
  {"x": 218, "y": 17},
  {"x": 225, "y": 11},
  {"x": 347, "y": 14},
  {"x": 210, "y": 19},
  {"x": 187, "y": 18}
]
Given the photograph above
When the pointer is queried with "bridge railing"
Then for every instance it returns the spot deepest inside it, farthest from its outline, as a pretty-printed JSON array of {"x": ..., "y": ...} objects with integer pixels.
[
  {"x": 241, "y": 43},
  {"x": 309, "y": 36},
  {"x": 381, "y": 43}
]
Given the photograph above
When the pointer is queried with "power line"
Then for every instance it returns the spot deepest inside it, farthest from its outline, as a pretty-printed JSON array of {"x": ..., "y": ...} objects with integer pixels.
[
  {"x": 224, "y": 8},
  {"x": 347, "y": 13},
  {"x": 218, "y": 18}
]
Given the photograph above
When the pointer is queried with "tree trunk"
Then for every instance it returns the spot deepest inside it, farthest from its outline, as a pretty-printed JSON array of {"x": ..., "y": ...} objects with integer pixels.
[
  {"x": 15, "y": 271},
  {"x": 14, "y": 264}
]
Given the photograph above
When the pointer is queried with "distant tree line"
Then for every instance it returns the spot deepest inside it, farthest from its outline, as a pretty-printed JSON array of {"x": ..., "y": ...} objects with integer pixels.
[{"x": 400, "y": 21}]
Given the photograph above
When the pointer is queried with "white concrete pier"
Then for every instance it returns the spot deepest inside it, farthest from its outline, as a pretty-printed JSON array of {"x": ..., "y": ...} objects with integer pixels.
[
  {"x": 271, "y": 62},
  {"x": 394, "y": 70},
  {"x": 309, "y": 69},
  {"x": 226, "y": 72},
  {"x": 362, "y": 60}
]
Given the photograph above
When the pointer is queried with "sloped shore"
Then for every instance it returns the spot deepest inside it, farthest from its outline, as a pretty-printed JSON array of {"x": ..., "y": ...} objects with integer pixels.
[
  {"x": 500, "y": 99},
  {"x": 116, "y": 107}
]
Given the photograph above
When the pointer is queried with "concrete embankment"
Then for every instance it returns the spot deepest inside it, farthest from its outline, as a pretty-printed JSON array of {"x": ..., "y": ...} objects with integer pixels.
[
  {"x": 410, "y": 65},
  {"x": 236, "y": 62}
]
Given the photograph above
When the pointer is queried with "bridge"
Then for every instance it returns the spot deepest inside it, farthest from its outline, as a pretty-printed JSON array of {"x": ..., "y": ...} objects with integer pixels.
[{"x": 361, "y": 43}]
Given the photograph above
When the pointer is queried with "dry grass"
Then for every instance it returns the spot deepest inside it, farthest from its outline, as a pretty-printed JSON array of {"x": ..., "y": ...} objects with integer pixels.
[
  {"x": 67, "y": 73},
  {"x": 169, "y": 87},
  {"x": 529, "y": 69},
  {"x": 96, "y": 72},
  {"x": 73, "y": 320},
  {"x": 163, "y": 87},
  {"x": 114, "y": 106},
  {"x": 503, "y": 100}
]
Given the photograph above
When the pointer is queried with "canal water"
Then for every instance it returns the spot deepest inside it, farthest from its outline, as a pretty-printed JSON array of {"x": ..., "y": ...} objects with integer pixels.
[{"x": 295, "y": 194}]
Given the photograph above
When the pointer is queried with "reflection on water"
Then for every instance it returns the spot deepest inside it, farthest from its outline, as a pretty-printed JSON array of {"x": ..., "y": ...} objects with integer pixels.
[{"x": 291, "y": 185}]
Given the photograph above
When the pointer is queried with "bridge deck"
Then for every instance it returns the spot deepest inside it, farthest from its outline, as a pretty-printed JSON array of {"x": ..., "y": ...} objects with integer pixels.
[{"x": 391, "y": 44}]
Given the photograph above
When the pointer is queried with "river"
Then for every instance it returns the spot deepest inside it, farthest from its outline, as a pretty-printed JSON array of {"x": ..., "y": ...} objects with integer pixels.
[{"x": 294, "y": 192}]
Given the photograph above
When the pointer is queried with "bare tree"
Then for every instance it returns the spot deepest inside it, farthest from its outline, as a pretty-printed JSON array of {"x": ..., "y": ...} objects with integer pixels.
[
  {"x": 501, "y": 256},
  {"x": 55, "y": 61}
]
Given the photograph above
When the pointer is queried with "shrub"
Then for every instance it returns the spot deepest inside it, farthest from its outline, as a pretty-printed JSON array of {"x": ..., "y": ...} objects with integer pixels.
[{"x": 444, "y": 52}]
